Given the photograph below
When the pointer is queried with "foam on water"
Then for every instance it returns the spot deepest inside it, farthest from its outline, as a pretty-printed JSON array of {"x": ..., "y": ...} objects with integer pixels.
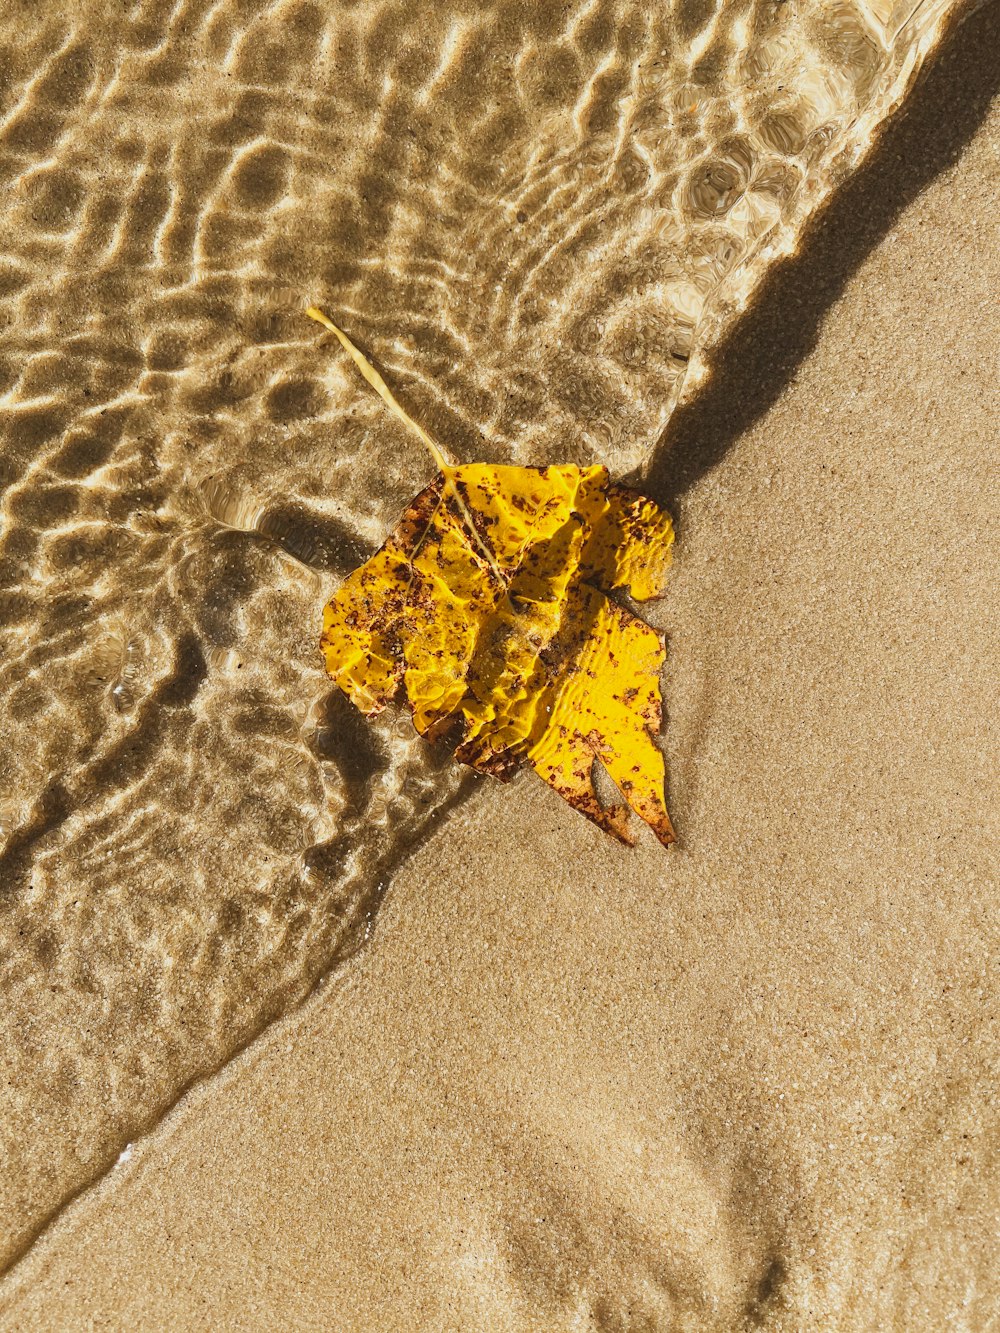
[{"x": 534, "y": 218}]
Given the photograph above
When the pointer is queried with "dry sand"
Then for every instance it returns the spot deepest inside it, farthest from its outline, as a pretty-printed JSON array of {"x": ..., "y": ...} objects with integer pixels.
[{"x": 751, "y": 1081}]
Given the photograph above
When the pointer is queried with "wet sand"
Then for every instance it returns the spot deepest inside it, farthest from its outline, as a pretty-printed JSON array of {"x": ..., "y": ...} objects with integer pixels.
[{"x": 749, "y": 1082}]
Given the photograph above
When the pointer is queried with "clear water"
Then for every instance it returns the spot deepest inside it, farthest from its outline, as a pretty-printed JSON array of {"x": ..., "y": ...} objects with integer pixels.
[{"x": 535, "y": 218}]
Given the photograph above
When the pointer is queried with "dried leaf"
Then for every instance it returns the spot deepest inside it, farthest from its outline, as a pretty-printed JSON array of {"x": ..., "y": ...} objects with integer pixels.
[{"x": 489, "y": 610}]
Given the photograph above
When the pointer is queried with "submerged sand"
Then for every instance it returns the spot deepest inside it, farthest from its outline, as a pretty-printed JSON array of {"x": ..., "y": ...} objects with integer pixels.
[{"x": 748, "y": 1082}]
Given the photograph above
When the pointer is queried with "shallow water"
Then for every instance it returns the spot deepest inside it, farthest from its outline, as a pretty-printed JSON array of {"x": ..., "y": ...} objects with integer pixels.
[{"x": 535, "y": 219}]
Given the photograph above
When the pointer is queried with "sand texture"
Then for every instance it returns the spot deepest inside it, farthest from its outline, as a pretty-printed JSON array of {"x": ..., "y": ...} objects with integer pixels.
[
  {"x": 747, "y": 1083},
  {"x": 535, "y": 218}
]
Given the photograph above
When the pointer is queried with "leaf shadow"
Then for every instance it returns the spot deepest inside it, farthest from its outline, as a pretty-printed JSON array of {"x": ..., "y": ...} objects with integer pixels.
[{"x": 758, "y": 358}]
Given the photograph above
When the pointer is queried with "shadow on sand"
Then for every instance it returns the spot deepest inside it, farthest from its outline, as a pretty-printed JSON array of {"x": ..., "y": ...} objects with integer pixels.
[{"x": 756, "y": 361}]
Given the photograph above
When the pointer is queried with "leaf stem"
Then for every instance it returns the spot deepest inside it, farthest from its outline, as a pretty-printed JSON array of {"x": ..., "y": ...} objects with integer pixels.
[
  {"x": 437, "y": 453},
  {"x": 380, "y": 387}
]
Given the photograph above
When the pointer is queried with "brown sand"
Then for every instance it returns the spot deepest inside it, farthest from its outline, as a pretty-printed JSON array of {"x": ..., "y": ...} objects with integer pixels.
[{"x": 751, "y": 1081}]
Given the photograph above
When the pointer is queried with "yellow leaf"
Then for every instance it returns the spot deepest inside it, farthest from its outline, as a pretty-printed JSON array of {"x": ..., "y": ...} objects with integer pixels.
[{"x": 488, "y": 608}]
